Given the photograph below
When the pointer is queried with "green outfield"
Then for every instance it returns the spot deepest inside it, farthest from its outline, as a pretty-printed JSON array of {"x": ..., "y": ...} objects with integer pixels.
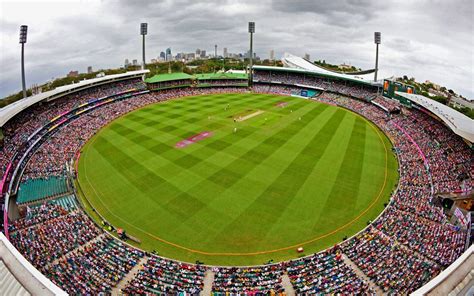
[{"x": 257, "y": 182}]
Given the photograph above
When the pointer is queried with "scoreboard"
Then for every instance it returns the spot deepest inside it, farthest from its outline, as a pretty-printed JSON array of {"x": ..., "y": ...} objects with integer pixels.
[{"x": 391, "y": 86}]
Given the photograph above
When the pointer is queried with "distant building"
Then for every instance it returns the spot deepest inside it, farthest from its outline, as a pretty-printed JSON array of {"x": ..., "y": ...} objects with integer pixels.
[
  {"x": 126, "y": 63},
  {"x": 73, "y": 74},
  {"x": 225, "y": 54},
  {"x": 36, "y": 89},
  {"x": 169, "y": 57},
  {"x": 162, "y": 56},
  {"x": 435, "y": 86},
  {"x": 154, "y": 61},
  {"x": 190, "y": 56},
  {"x": 345, "y": 66},
  {"x": 307, "y": 57},
  {"x": 89, "y": 70},
  {"x": 203, "y": 54},
  {"x": 198, "y": 52},
  {"x": 272, "y": 55},
  {"x": 135, "y": 62}
]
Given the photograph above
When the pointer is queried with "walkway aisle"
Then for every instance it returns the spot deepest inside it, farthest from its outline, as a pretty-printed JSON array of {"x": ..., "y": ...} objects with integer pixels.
[
  {"x": 132, "y": 273},
  {"x": 287, "y": 286},
  {"x": 208, "y": 281},
  {"x": 97, "y": 238},
  {"x": 362, "y": 275}
]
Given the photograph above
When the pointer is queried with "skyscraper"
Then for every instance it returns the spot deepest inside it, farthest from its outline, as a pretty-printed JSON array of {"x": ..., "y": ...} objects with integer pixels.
[
  {"x": 225, "y": 54},
  {"x": 272, "y": 55},
  {"x": 306, "y": 56},
  {"x": 169, "y": 57},
  {"x": 162, "y": 56}
]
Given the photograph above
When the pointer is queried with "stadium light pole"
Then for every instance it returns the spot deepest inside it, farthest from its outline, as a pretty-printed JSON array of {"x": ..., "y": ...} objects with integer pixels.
[
  {"x": 251, "y": 31},
  {"x": 377, "y": 40},
  {"x": 23, "y": 33},
  {"x": 143, "y": 32}
]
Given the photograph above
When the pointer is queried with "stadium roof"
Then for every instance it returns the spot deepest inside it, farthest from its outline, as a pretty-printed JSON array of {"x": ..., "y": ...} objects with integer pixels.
[
  {"x": 459, "y": 123},
  {"x": 19, "y": 277},
  {"x": 208, "y": 76},
  {"x": 7, "y": 112},
  {"x": 168, "y": 77},
  {"x": 299, "y": 64}
]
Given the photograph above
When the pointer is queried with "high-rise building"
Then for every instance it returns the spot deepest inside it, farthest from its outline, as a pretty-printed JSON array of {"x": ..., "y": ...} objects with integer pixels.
[
  {"x": 272, "y": 55},
  {"x": 89, "y": 69},
  {"x": 162, "y": 56},
  {"x": 198, "y": 52},
  {"x": 203, "y": 53},
  {"x": 126, "y": 63},
  {"x": 169, "y": 57},
  {"x": 306, "y": 56},
  {"x": 225, "y": 54},
  {"x": 135, "y": 62}
]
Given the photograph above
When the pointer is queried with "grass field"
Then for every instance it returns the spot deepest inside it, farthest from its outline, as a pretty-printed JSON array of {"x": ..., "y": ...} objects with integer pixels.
[{"x": 306, "y": 174}]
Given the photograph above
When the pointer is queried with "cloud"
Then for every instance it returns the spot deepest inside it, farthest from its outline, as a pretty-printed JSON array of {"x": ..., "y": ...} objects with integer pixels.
[{"x": 427, "y": 39}]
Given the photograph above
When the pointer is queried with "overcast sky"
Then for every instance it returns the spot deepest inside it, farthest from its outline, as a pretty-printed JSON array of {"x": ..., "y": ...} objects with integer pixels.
[{"x": 429, "y": 40}]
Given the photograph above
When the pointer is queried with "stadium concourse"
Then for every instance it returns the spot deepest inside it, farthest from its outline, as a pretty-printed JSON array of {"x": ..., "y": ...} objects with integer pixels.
[{"x": 410, "y": 243}]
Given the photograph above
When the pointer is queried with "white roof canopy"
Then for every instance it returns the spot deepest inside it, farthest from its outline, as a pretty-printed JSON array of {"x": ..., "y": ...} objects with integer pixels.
[
  {"x": 9, "y": 111},
  {"x": 459, "y": 123},
  {"x": 293, "y": 61}
]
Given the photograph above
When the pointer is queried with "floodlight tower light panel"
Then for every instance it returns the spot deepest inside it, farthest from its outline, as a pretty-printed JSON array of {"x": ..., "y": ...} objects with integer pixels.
[
  {"x": 251, "y": 27},
  {"x": 23, "y": 33},
  {"x": 377, "y": 37},
  {"x": 144, "y": 28}
]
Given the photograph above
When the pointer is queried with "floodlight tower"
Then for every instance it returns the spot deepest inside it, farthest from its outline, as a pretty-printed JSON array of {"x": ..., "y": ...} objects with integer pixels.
[
  {"x": 251, "y": 31},
  {"x": 143, "y": 32},
  {"x": 377, "y": 40},
  {"x": 23, "y": 32}
]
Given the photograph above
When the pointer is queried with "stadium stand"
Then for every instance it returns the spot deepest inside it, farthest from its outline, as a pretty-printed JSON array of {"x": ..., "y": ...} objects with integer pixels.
[
  {"x": 262, "y": 280},
  {"x": 161, "y": 276},
  {"x": 407, "y": 246}
]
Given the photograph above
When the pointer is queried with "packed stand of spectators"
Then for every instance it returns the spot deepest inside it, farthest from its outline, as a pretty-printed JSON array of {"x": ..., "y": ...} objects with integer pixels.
[
  {"x": 95, "y": 268},
  {"x": 451, "y": 162},
  {"x": 165, "y": 277},
  {"x": 263, "y": 280},
  {"x": 222, "y": 82},
  {"x": 390, "y": 105},
  {"x": 345, "y": 88},
  {"x": 17, "y": 130},
  {"x": 442, "y": 243},
  {"x": 47, "y": 241},
  {"x": 37, "y": 215},
  {"x": 390, "y": 266},
  {"x": 325, "y": 273}
]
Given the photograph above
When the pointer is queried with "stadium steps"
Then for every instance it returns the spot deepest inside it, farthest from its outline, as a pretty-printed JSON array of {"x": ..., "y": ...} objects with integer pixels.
[
  {"x": 97, "y": 238},
  {"x": 208, "y": 281},
  {"x": 117, "y": 290},
  {"x": 362, "y": 275},
  {"x": 68, "y": 202},
  {"x": 287, "y": 286}
]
